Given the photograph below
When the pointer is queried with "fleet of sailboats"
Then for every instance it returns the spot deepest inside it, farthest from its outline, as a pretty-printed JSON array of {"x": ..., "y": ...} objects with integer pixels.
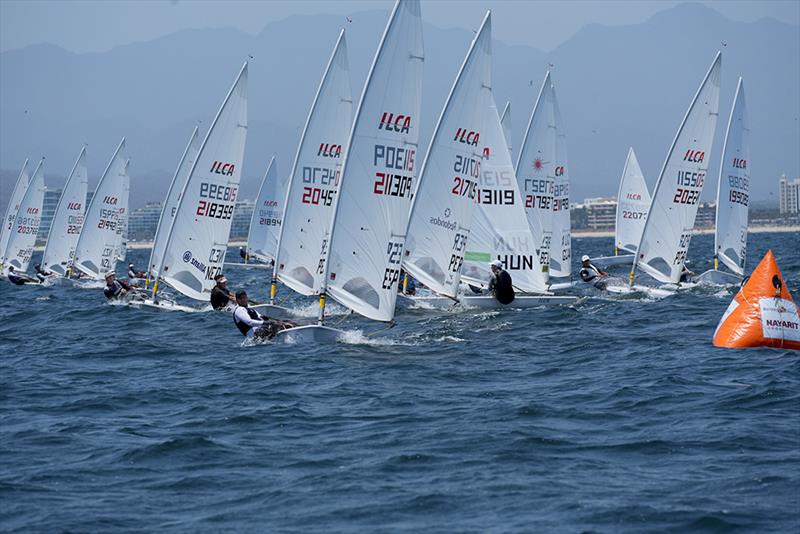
[{"x": 353, "y": 213}]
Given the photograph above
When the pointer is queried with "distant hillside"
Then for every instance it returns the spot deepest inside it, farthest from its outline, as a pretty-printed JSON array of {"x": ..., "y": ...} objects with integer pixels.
[{"x": 617, "y": 86}]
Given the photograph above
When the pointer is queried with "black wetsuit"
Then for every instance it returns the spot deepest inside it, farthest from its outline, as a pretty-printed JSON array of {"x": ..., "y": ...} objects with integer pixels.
[
  {"x": 17, "y": 280},
  {"x": 591, "y": 275},
  {"x": 219, "y": 298},
  {"x": 501, "y": 287},
  {"x": 115, "y": 290}
]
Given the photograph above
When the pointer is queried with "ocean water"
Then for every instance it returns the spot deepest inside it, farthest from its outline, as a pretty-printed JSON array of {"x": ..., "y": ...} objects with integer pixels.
[{"x": 609, "y": 416}]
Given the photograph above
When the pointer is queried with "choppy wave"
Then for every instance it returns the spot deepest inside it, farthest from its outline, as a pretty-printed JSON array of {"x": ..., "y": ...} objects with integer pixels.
[{"x": 612, "y": 415}]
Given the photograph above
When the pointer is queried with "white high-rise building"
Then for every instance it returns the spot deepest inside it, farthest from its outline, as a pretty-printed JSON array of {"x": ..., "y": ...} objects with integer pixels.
[{"x": 789, "y": 195}]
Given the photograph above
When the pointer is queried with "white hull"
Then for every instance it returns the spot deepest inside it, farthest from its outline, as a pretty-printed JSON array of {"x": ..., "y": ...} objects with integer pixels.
[
  {"x": 271, "y": 310},
  {"x": 718, "y": 278},
  {"x": 309, "y": 334},
  {"x": 607, "y": 261},
  {"x": 167, "y": 305},
  {"x": 249, "y": 265},
  {"x": 652, "y": 292},
  {"x": 483, "y": 302}
]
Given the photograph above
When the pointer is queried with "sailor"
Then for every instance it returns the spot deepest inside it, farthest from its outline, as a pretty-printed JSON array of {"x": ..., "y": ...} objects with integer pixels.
[
  {"x": 243, "y": 254},
  {"x": 407, "y": 283},
  {"x": 220, "y": 296},
  {"x": 591, "y": 274},
  {"x": 19, "y": 278},
  {"x": 686, "y": 275},
  {"x": 41, "y": 274},
  {"x": 115, "y": 289},
  {"x": 251, "y": 324},
  {"x": 133, "y": 273},
  {"x": 500, "y": 284}
]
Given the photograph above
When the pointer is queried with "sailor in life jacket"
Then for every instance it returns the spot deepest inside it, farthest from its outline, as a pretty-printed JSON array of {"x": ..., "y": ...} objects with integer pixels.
[
  {"x": 252, "y": 324},
  {"x": 591, "y": 274},
  {"x": 500, "y": 284},
  {"x": 19, "y": 278},
  {"x": 133, "y": 273},
  {"x": 115, "y": 289}
]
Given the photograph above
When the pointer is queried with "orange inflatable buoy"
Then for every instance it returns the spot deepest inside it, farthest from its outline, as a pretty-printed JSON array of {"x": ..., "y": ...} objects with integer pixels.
[{"x": 762, "y": 314}]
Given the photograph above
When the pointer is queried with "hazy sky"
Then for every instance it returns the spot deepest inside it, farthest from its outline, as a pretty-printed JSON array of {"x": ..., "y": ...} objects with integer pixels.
[{"x": 93, "y": 26}]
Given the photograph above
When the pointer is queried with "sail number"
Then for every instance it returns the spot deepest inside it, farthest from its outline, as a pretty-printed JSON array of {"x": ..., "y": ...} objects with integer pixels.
[
  {"x": 391, "y": 274},
  {"x": 683, "y": 247},
  {"x": 686, "y": 196},
  {"x": 457, "y": 258},
  {"x": 636, "y": 215},
  {"x": 465, "y": 187},
  {"x": 737, "y": 197},
  {"x": 315, "y": 196},
  {"x": 541, "y": 202}
]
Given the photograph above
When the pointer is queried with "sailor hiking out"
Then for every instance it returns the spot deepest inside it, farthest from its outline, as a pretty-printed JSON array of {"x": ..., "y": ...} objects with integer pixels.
[
  {"x": 591, "y": 274},
  {"x": 116, "y": 289},
  {"x": 500, "y": 284},
  {"x": 252, "y": 324}
]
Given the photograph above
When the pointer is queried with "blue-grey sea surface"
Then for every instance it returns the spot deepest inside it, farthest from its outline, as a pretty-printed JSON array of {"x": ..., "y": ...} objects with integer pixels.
[{"x": 609, "y": 416}]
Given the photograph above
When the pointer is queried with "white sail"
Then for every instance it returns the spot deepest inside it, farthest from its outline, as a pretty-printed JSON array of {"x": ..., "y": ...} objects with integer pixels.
[
  {"x": 733, "y": 190},
  {"x": 265, "y": 224},
  {"x": 102, "y": 235},
  {"x": 26, "y": 223},
  {"x": 198, "y": 237},
  {"x": 446, "y": 193},
  {"x": 13, "y": 206},
  {"x": 633, "y": 202},
  {"x": 561, "y": 246},
  {"x": 505, "y": 121},
  {"x": 171, "y": 202},
  {"x": 362, "y": 260},
  {"x": 315, "y": 177},
  {"x": 59, "y": 252},
  {"x": 500, "y": 227},
  {"x": 668, "y": 229},
  {"x": 535, "y": 170},
  {"x": 121, "y": 244}
]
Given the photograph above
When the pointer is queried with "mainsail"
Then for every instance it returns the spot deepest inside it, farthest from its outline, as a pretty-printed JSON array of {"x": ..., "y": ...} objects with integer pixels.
[
  {"x": 561, "y": 246},
  {"x": 13, "y": 206},
  {"x": 668, "y": 229},
  {"x": 265, "y": 224},
  {"x": 171, "y": 203},
  {"x": 26, "y": 223},
  {"x": 65, "y": 229},
  {"x": 100, "y": 241},
  {"x": 733, "y": 189},
  {"x": 535, "y": 170},
  {"x": 505, "y": 121},
  {"x": 314, "y": 180},
  {"x": 363, "y": 257},
  {"x": 500, "y": 227},
  {"x": 447, "y": 190},
  {"x": 633, "y": 201},
  {"x": 198, "y": 237}
]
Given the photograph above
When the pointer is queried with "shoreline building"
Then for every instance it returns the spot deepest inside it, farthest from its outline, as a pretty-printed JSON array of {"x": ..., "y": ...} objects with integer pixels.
[{"x": 788, "y": 196}]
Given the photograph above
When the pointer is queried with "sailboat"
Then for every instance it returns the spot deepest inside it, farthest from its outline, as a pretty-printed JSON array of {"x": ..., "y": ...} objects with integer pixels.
[
  {"x": 505, "y": 122},
  {"x": 361, "y": 260},
  {"x": 25, "y": 229},
  {"x": 197, "y": 240},
  {"x": 68, "y": 219},
  {"x": 561, "y": 246},
  {"x": 633, "y": 201},
  {"x": 6, "y": 230},
  {"x": 535, "y": 171},
  {"x": 733, "y": 196},
  {"x": 171, "y": 205},
  {"x": 265, "y": 223},
  {"x": 446, "y": 193},
  {"x": 500, "y": 230},
  {"x": 100, "y": 242},
  {"x": 661, "y": 252},
  {"x": 314, "y": 182}
]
